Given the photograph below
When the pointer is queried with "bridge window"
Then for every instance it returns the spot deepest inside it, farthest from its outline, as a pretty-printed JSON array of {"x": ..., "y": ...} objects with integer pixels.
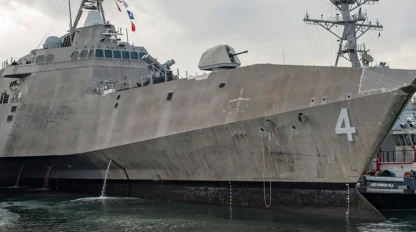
[
  {"x": 141, "y": 54},
  {"x": 50, "y": 57},
  {"x": 117, "y": 54},
  {"x": 83, "y": 54},
  {"x": 99, "y": 53},
  {"x": 134, "y": 56},
  {"x": 126, "y": 55},
  {"x": 14, "y": 108},
  {"x": 40, "y": 59},
  {"x": 91, "y": 53},
  {"x": 108, "y": 54},
  {"x": 74, "y": 55}
]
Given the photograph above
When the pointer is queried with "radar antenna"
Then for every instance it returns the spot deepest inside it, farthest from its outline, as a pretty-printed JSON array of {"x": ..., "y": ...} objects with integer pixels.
[
  {"x": 355, "y": 26},
  {"x": 89, "y": 5}
]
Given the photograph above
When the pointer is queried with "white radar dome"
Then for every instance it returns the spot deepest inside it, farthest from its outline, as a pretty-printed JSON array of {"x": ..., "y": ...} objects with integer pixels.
[{"x": 52, "y": 42}]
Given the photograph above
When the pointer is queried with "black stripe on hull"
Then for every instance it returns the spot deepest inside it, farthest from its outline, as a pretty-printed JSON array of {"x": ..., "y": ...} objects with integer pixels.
[
  {"x": 383, "y": 201},
  {"x": 319, "y": 199}
]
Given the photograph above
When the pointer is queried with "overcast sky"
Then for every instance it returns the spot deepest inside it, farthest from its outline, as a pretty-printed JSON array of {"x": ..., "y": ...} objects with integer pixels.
[{"x": 184, "y": 29}]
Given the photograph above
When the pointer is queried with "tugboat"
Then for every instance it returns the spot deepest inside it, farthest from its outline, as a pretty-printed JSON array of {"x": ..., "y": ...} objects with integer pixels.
[
  {"x": 390, "y": 180},
  {"x": 89, "y": 109}
]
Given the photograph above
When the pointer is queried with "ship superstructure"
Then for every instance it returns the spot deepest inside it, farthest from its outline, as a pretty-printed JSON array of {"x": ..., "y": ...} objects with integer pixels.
[{"x": 287, "y": 137}]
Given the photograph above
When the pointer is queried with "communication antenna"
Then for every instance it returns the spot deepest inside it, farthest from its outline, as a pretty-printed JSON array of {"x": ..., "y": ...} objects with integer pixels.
[{"x": 355, "y": 26}]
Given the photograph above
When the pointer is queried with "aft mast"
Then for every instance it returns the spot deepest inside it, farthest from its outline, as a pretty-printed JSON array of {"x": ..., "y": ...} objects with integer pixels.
[{"x": 355, "y": 26}]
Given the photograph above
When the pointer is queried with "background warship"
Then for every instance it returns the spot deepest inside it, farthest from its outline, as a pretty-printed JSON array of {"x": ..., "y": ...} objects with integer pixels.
[{"x": 87, "y": 107}]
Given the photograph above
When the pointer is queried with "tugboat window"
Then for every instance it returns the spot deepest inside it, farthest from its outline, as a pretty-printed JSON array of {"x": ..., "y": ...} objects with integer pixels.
[
  {"x": 99, "y": 53},
  {"x": 14, "y": 108},
  {"x": 74, "y": 55},
  {"x": 108, "y": 54},
  {"x": 50, "y": 57},
  {"x": 83, "y": 54},
  {"x": 134, "y": 56},
  {"x": 40, "y": 59},
  {"x": 409, "y": 142},
  {"x": 9, "y": 118},
  {"x": 117, "y": 54},
  {"x": 402, "y": 141},
  {"x": 413, "y": 139},
  {"x": 126, "y": 55},
  {"x": 396, "y": 139},
  {"x": 91, "y": 54}
]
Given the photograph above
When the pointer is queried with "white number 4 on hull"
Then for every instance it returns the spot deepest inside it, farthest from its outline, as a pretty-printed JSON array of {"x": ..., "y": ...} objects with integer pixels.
[{"x": 344, "y": 119}]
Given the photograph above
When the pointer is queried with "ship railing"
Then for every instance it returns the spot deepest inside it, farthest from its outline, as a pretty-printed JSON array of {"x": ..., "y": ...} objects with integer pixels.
[
  {"x": 4, "y": 64},
  {"x": 404, "y": 156}
]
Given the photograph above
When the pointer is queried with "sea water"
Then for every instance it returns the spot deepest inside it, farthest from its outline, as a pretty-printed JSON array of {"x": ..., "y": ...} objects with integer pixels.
[{"x": 51, "y": 211}]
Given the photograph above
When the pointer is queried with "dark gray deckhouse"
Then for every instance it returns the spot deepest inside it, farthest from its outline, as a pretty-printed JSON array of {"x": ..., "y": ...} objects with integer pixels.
[{"x": 287, "y": 137}]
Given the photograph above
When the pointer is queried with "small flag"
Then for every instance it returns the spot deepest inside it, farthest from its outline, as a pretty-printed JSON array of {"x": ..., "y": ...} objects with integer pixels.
[
  {"x": 133, "y": 27},
  {"x": 130, "y": 14},
  {"x": 120, "y": 1},
  {"x": 117, "y": 6},
  {"x": 125, "y": 4}
]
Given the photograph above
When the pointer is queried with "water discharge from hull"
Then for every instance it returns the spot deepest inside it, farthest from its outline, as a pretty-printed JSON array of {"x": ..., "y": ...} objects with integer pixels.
[
  {"x": 18, "y": 177},
  {"x": 105, "y": 180},
  {"x": 45, "y": 182}
]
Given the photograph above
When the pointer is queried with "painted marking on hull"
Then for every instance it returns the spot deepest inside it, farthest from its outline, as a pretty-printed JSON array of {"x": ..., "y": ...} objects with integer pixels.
[{"x": 347, "y": 129}]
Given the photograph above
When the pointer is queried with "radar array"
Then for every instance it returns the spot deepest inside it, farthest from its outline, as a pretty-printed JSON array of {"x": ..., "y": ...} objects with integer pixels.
[{"x": 355, "y": 26}]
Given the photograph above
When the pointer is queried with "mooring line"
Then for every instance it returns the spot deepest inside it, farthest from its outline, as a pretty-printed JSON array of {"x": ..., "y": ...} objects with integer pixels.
[
  {"x": 231, "y": 200},
  {"x": 268, "y": 205}
]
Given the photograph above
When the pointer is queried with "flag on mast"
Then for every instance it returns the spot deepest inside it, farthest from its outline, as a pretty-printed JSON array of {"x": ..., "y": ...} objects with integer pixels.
[
  {"x": 130, "y": 15},
  {"x": 133, "y": 27},
  {"x": 117, "y": 6},
  {"x": 125, "y": 4}
]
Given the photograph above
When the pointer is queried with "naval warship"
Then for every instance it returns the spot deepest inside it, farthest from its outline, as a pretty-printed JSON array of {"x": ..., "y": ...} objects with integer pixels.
[{"x": 88, "y": 107}]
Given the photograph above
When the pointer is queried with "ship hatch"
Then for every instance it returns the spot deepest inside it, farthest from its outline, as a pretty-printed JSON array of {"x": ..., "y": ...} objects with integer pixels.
[{"x": 170, "y": 95}]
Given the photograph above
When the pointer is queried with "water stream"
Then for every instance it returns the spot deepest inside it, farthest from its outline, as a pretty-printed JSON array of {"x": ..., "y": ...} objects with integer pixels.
[
  {"x": 45, "y": 182},
  {"x": 20, "y": 173},
  {"x": 105, "y": 179}
]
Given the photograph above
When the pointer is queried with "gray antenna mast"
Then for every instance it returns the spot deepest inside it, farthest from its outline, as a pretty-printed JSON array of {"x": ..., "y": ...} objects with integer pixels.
[
  {"x": 355, "y": 26},
  {"x": 89, "y": 5}
]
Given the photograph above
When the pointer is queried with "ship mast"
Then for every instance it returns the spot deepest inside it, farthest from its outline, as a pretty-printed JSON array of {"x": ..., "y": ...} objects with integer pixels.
[
  {"x": 355, "y": 26},
  {"x": 89, "y": 5}
]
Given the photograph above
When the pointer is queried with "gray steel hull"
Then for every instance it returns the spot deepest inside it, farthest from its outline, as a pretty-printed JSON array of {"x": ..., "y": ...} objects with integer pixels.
[
  {"x": 242, "y": 152},
  {"x": 249, "y": 131}
]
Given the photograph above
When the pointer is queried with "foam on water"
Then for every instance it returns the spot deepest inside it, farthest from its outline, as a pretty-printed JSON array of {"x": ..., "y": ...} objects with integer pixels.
[
  {"x": 103, "y": 198},
  {"x": 384, "y": 226},
  {"x": 27, "y": 204},
  {"x": 7, "y": 218}
]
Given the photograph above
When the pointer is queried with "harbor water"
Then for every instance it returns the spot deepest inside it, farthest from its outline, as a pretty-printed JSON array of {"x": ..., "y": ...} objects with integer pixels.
[{"x": 29, "y": 211}]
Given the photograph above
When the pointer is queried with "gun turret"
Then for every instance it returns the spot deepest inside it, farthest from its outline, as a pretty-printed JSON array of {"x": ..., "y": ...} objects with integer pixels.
[{"x": 219, "y": 57}]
